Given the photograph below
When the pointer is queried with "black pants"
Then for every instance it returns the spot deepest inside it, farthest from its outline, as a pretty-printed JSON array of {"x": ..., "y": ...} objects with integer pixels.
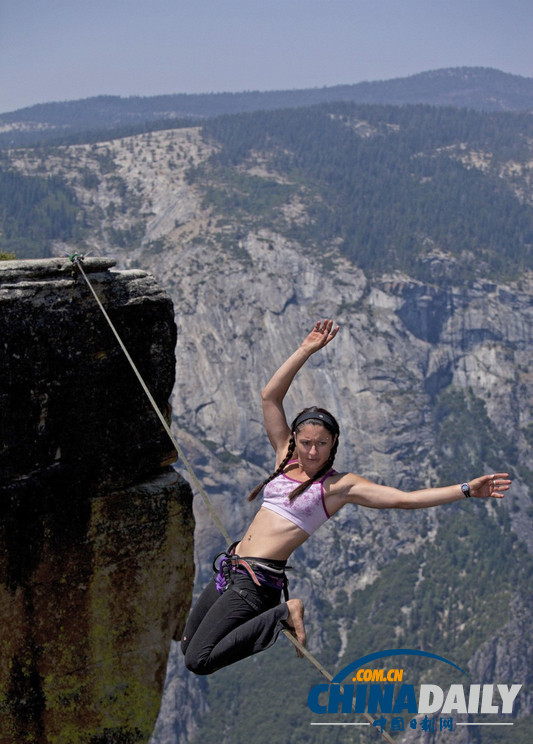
[{"x": 224, "y": 628}]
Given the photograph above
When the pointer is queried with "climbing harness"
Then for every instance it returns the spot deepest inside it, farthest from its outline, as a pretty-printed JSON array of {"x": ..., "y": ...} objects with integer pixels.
[
  {"x": 230, "y": 562},
  {"x": 261, "y": 572}
]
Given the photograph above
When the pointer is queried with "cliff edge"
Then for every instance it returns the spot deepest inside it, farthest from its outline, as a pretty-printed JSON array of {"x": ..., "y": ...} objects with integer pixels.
[{"x": 96, "y": 528}]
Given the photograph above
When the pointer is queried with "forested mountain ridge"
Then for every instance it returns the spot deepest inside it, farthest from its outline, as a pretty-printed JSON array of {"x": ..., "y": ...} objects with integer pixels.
[
  {"x": 389, "y": 187},
  {"x": 467, "y": 87},
  {"x": 245, "y": 224},
  {"x": 432, "y": 191}
]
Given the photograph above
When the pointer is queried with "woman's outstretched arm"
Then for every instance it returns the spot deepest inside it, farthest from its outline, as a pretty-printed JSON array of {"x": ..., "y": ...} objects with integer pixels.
[
  {"x": 351, "y": 488},
  {"x": 276, "y": 389}
]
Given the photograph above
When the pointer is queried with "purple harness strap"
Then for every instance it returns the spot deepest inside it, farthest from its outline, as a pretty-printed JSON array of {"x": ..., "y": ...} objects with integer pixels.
[{"x": 259, "y": 573}]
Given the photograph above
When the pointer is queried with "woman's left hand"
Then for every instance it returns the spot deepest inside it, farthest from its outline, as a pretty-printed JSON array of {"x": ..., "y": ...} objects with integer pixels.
[
  {"x": 320, "y": 336},
  {"x": 490, "y": 486}
]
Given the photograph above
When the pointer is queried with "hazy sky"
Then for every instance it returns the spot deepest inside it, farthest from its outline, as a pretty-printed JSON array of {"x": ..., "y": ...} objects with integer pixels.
[{"x": 53, "y": 50}]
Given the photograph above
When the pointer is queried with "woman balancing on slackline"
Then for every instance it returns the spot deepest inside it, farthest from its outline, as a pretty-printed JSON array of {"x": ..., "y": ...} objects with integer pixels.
[{"x": 239, "y": 612}]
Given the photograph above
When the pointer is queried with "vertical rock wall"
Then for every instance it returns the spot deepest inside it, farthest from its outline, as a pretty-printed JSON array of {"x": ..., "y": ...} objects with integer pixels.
[{"x": 96, "y": 529}]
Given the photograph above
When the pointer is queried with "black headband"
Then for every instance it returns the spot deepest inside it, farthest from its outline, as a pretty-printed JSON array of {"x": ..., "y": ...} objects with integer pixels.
[{"x": 316, "y": 416}]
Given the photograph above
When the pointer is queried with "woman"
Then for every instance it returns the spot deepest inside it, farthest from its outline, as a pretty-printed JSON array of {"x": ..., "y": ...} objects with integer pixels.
[{"x": 239, "y": 613}]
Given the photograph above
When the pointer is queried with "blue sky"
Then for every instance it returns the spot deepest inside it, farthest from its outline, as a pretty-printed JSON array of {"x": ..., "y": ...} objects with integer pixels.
[{"x": 54, "y": 50}]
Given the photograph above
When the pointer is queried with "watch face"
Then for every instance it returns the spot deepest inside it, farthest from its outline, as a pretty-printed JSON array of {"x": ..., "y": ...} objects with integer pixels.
[{"x": 465, "y": 488}]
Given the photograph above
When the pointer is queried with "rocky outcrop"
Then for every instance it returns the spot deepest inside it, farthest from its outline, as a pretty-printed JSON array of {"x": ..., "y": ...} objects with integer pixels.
[{"x": 96, "y": 529}]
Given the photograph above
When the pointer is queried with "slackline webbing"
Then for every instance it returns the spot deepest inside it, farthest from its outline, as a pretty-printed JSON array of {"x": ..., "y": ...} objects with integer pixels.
[
  {"x": 77, "y": 260},
  {"x": 314, "y": 661}
]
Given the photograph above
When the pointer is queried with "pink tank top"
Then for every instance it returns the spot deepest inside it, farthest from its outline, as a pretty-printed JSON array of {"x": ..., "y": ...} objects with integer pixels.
[{"x": 307, "y": 511}]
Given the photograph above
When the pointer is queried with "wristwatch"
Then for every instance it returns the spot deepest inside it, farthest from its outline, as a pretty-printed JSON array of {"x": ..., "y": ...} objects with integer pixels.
[{"x": 465, "y": 488}]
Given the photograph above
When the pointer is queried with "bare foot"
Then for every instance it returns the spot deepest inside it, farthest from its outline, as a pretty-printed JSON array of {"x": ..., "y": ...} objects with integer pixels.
[{"x": 295, "y": 621}]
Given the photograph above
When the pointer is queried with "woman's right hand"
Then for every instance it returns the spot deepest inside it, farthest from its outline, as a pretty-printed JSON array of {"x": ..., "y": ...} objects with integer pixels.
[
  {"x": 275, "y": 390},
  {"x": 320, "y": 336}
]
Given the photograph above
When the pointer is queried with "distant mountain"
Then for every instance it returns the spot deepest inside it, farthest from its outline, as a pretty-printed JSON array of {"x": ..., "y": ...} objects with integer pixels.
[
  {"x": 388, "y": 187},
  {"x": 466, "y": 87}
]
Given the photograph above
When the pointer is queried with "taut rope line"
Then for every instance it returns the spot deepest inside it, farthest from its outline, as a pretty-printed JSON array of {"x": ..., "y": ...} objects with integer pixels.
[
  {"x": 324, "y": 672},
  {"x": 77, "y": 260}
]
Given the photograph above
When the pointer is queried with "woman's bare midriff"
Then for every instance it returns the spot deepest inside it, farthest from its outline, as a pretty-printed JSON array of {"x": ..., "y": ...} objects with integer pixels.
[{"x": 271, "y": 536}]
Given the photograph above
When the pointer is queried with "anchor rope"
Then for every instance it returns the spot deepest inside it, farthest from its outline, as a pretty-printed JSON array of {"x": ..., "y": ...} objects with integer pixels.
[{"x": 77, "y": 261}]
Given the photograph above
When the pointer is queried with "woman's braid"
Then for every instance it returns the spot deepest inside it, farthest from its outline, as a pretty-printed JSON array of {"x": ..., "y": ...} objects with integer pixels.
[{"x": 257, "y": 490}]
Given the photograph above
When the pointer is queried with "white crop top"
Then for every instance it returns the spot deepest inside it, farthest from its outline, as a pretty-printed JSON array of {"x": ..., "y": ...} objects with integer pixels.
[{"x": 307, "y": 511}]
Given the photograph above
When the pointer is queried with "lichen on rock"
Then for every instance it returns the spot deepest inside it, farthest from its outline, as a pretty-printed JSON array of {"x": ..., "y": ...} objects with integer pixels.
[{"x": 96, "y": 527}]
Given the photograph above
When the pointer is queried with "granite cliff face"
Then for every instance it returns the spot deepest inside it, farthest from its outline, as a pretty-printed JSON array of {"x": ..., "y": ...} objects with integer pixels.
[
  {"x": 430, "y": 382},
  {"x": 402, "y": 345},
  {"x": 96, "y": 529}
]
